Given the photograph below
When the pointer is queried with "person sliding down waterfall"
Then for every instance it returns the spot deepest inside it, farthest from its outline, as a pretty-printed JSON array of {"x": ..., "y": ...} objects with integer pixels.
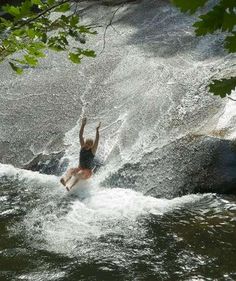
[{"x": 87, "y": 153}]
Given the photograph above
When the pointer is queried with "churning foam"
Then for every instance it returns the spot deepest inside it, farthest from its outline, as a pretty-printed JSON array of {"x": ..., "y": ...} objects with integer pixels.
[
  {"x": 100, "y": 212},
  {"x": 227, "y": 119},
  {"x": 21, "y": 174},
  {"x": 61, "y": 221}
]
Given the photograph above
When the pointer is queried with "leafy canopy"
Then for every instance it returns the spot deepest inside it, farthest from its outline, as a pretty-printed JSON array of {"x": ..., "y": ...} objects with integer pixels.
[
  {"x": 222, "y": 17},
  {"x": 28, "y": 30}
]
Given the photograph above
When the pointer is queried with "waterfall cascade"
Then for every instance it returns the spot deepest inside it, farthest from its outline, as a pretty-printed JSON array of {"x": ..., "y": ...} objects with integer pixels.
[{"x": 161, "y": 131}]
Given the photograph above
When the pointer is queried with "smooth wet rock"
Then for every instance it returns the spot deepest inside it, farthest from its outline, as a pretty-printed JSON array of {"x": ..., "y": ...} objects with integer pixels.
[
  {"x": 148, "y": 86},
  {"x": 195, "y": 163}
]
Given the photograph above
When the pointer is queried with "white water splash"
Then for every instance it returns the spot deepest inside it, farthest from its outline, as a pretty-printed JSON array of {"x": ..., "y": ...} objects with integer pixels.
[
  {"x": 94, "y": 212},
  {"x": 29, "y": 176},
  {"x": 227, "y": 119}
]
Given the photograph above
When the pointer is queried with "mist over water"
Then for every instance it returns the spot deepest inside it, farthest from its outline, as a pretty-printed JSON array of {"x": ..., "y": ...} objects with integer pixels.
[{"x": 130, "y": 221}]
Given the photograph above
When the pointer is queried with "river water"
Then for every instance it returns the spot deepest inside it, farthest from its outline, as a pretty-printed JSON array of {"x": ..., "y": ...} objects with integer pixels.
[
  {"x": 131, "y": 220},
  {"x": 97, "y": 233}
]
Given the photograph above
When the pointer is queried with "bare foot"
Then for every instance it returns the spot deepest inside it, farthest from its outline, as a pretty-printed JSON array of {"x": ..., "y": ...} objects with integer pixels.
[
  {"x": 63, "y": 181},
  {"x": 67, "y": 188}
]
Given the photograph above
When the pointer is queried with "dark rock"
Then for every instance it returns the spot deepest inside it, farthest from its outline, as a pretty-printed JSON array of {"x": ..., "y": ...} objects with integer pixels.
[
  {"x": 48, "y": 164},
  {"x": 194, "y": 163},
  {"x": 221, "y": 176}
]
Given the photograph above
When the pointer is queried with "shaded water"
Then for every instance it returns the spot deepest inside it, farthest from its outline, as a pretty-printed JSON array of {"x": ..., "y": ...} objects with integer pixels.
[{"x": 98, "y": 233}]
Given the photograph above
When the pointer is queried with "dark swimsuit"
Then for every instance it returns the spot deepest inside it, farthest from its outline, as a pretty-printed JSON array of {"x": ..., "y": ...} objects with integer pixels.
[{"x": 86, "y": 159}]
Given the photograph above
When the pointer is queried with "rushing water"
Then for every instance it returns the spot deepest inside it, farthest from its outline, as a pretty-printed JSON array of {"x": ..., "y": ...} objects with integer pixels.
[{"x": 97, "y": 233}]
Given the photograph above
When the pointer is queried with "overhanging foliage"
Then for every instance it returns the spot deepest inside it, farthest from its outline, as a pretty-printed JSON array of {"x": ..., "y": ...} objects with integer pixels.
[
  {"x": 222, "y": 17},
  {"x": 34, "y": 26}
]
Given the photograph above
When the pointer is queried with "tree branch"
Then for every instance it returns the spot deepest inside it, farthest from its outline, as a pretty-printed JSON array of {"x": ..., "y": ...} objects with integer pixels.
[
  {"x": 41, "y": 14},
  {"x": 109, "y": 24},
  {"x": 231, "y": 98}
]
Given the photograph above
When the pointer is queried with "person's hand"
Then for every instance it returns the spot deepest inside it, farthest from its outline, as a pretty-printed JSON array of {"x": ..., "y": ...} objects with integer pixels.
[
  {"x": 84, "y": 120},
  {"x": 98, "y": 126}
]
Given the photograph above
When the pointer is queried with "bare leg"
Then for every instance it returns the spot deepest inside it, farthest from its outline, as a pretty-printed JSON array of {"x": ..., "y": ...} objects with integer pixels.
[
  {"x": 74, "y": 181},
  {"x": 67, "y": 176}
]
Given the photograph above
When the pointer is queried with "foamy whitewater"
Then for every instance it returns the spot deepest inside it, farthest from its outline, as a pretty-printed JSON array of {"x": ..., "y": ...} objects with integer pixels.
[
  {"x": 90, "y": 211},
  {"x": 96, "y": 232}
]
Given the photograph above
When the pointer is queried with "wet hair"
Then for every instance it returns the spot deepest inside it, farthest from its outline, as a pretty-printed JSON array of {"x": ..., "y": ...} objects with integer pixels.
[{"x": 89, "y": 142}]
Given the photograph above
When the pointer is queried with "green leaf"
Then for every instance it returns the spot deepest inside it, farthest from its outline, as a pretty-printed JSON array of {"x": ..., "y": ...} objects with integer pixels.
[
  {"x": 65, "y": 19},
  {"x": 62, "y": 39},
  {"x": 39, "y": 54},
  {"x": 223, "y": 87},
  {"x": 12, "y": 44},
  {"x": 38, "y": 45},
  {"x": 5, "y": 23},
  {"x": 51, "y": 2},
  {"x": 17, "y": 69},
  {"x": 189, "y": 5},
  {"x": 43, "y": 22},
  {"x": 21, "y": 11},
  {"x": 63, "y": 8},
  {"x": 229, "y": 21},
  {"x": 210, "y": 22},
  {"x": 19, "y": 32},
  {"x": 75, "y": 58},
  {"x": 73, "y": 33},
  {"x": 230, "y": 43},
  {"x": 84, "y": 29},
  {"x": 32, "y": 61},
  {"x": 89, "y": 53},
  {"x": 44, "y": 37},
  {"x": 36, "y": 2},
  {"x": 25, "y": 8},
  {"x": 31, "y": 33},
  {"x": 219, "y": 18},
  {"x": 35, "y": 52},
  {"x": 56, "y": 47},
  {"x": 12, "y": 10},
  {"x": 58, "y": 43},
  {"x": 74, "y": 20},
  {"x": 228, "y": 4}
]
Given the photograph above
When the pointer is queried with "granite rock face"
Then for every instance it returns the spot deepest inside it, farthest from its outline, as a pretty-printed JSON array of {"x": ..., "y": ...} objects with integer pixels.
[
  {"x": 191, "y": 164},
  {"x": 148, "y": 87}
]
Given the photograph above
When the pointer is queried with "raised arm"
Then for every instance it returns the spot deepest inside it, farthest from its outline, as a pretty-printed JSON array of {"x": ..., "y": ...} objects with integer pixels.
[
  {"x": 81, "y": 132},
  {"x": 95, "y": 146}
]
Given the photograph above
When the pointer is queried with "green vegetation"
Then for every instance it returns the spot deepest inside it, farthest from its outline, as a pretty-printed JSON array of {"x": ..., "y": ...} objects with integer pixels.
[
  {"x": 221, "y": 18},
  {"x": 34, "y": 26}
]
